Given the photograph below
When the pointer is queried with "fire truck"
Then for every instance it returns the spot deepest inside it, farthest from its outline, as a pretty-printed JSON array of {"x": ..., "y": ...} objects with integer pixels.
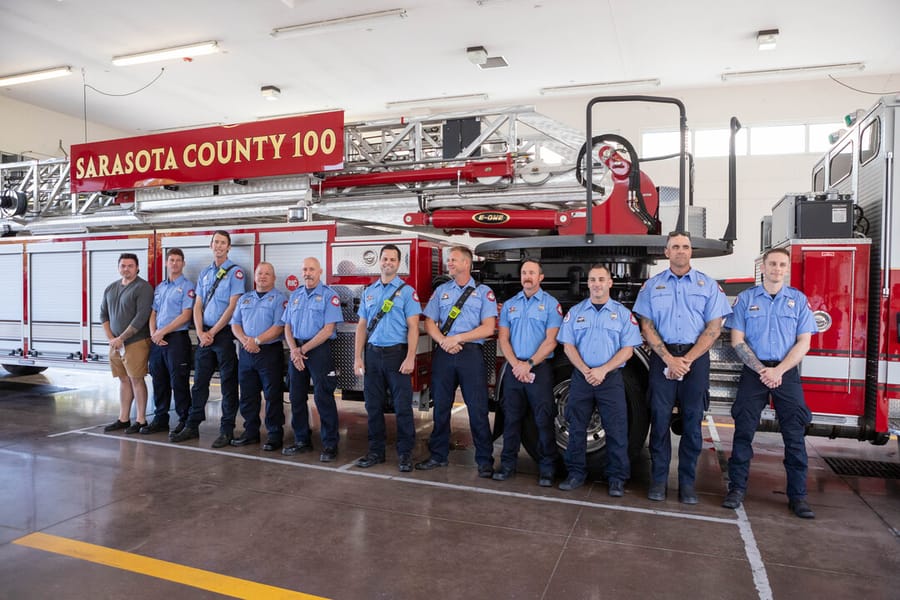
[{"x": 532, "y": 187}]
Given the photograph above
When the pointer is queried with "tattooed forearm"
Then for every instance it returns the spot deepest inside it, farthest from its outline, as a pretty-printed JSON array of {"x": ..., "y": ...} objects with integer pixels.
[
  {"x": 748, "y": 357},
  {"x": 654, "y": 339}
]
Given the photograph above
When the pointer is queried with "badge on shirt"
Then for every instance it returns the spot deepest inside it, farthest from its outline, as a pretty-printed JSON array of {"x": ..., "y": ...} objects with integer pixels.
[
  {"x": 512, "y": 309},
  {"x": 246, "y": 302},
  {"x": 540, "y": 307},
  {"x": 660, "y": 287},
  {"x": 701, "y": 283},
  {"x": 613, "y": 316},
  {"x": 790, "y": 303},
  {"x": 369, "y": 298},
  {"x": 445, "y": 296},
  {"x": 579, "y": 319},
  {"x": 296, "y": 301},
  {"x": 753, "y": 308},
  {"x": 318, "y": 298}
]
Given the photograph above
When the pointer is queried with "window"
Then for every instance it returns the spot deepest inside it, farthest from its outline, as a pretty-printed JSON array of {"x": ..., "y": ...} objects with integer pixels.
[
  {"x": 841, "y": 163},
  {"x": 819, "y": 179},
  {"x": 714, "y": 142},
  {"x": 869, "y": 141},
  {"x": 661, "y": 143},
  {"x": 820, "y": 136},
  {"x": 780, "y": 139}
]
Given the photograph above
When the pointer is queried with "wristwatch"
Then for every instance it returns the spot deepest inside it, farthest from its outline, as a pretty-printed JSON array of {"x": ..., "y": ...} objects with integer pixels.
[
  {"x": 256, "y": 341},
  {"x": 530, "y": 363}
]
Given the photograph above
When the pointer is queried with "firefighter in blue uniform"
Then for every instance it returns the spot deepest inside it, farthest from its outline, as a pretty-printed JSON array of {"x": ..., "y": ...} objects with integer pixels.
[
  {"x": 529, "y": 322},
  {"x": 309, "y": 326},
  {"x": 459, "y": 316},
  {"x": 218, "y": 289},
  {"x": 599, "y": 336},
  {"x": 385, "y": 354},
  {"x": 258, "y": 327},
  {"x": 681, "y": 312},
  {"x": 170, "y": 354},
  {"x": 771, "y": 330}
]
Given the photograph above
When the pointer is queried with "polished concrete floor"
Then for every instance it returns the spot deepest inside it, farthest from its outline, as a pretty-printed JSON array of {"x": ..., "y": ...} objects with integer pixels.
[{"x": 85, "y": 514}]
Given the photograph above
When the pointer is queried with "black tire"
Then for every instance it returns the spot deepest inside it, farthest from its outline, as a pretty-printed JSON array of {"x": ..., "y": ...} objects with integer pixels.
[
  {"x": 635, "y": 378},
  {"x": 23, "y": 369}
]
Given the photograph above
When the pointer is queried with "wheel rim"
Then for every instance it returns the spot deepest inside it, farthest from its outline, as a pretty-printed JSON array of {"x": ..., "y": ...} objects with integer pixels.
[{"x": 596, "y": 435}]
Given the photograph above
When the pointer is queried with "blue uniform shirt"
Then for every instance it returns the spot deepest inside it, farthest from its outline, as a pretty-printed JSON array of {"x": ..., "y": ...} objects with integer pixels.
[
  {"x": 771, "y": 325},
  {"x": 232, "y": 284},
  {"x": 528, "y": 320},
  {"x": 599, "y": 334},
  {"x": 171, "y": 298},
  {"x": 308, "y": 311},
  {"x": 680, "y": 307},
  {"x": 480, "y": 304},
  {"x": 255, "y": 314},
  {"x": 392, "y": 328}
]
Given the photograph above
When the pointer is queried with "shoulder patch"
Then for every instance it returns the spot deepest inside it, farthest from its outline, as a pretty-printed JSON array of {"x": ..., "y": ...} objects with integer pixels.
[
  {"x": 284, "y": 304},
  {"x": 238, "y": 274},
  {"x": 335, "y": 301},
  {"x": 491, "y": 297},
  {"x": 568, "y": 314},
  {"x": 559, "y": 309},
  {"x": 415, "y": 296},
  {"x": 634, "y": 319},
  {"x": 191, "y": 294}
]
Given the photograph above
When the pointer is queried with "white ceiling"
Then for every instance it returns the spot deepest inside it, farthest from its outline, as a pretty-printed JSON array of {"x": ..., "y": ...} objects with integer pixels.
[{"x": 686, "y": 43}]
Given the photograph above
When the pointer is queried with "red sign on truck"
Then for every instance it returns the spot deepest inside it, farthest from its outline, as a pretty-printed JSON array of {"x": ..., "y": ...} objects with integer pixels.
[{"x": 278, "y": 147}]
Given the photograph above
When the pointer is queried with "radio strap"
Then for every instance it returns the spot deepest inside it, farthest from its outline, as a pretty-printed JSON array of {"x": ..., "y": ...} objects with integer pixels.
[
  {"x": 456, "y": 310},
  {"x": 386, "y": 307},
  {"x": 220, "y": 275}
]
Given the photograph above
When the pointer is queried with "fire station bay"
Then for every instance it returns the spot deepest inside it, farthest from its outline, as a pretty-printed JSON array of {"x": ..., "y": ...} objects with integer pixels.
[{"x": 619, "y": 326}]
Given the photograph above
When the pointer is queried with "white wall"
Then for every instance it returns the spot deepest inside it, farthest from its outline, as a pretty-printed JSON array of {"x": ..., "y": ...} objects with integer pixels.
[
  {"x": 38, "y": 133},
  {"x": 761, "y": 180}
]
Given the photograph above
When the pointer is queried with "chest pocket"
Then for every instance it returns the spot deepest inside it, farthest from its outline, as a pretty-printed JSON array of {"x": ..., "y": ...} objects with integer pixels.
[
  {"x": 662, "y": 300},
  {"x": 697, "y": 301}
]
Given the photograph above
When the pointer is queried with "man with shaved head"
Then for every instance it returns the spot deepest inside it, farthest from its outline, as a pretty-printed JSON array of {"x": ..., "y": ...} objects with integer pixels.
[{"x": 309, "y": 326}]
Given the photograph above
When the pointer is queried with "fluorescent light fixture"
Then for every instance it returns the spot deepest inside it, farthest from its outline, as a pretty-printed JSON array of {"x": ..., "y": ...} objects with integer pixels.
[
  {"x": 832, "y": 68},
  {"x": 270, "y": 92},
  {"x": 176, "y": 52},
  {"x": 598, "y": 87},
  {"x": 338, "y": 24},
  {"x": 767, "y": 39},
  {"x": 439, "y": 100},
  {"x": 35, "y": 76}
]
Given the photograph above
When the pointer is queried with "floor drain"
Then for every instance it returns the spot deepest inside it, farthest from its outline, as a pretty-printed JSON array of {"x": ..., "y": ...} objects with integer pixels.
[{"x": 864, "y": 468}]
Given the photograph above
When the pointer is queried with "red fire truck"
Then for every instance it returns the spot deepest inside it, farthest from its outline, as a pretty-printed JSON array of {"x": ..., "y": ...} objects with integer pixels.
[{"x": 531, "y": 185}]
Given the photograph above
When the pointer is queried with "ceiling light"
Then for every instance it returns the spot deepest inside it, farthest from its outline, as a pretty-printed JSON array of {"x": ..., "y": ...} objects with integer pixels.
[
  {"x": 270, "y": 92},
  {"x": 598, "y": 87},
  {"x": 439, "y": 100},
  {"x": 35, "y": 76},
  {"x": 766, "y": 39},
  {"x": 854, "y": 66},
  {"x": 189, "y": 51},
  {"x": 477, "y": 55},
  {"x": 338, "y": 24}
]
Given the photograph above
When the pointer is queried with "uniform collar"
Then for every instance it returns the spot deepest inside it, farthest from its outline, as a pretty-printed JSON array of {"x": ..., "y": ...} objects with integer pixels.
[
  {"x": 690, "y": 275},
  {"x": 318, "y": 288},
  {"x": 761, "y": 291},
  {"x": 538, "y": 294},
  {"x": 471, "y": 283},
  {"x": 395, "y": 282},
  {"x": 181, "y": 278}
]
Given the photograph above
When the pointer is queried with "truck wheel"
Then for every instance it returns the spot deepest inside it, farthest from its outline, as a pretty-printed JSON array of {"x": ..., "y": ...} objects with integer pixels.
[
  {"x": 635, "y": 379},
  {"x": 23, "y": 369}
]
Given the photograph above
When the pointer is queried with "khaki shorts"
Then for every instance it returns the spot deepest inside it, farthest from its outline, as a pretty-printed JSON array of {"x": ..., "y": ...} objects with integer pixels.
[{"x": 134, "y": 363}]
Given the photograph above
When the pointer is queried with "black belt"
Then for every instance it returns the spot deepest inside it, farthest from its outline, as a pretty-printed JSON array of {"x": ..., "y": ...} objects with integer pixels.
[
  {"x": 300, "y": 342},
  {"x": 678, "y": 349},
  {"x": 375, "y": 348},
  {"x": 770, "y": 363}
]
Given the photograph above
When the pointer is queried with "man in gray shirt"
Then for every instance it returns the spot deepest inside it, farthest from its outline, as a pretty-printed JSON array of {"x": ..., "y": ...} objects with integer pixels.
[{"x": 125, "y": 314}]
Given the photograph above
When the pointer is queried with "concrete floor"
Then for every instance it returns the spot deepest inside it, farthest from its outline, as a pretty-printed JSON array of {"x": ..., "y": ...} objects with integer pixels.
[{"x": 276, "y": 526}]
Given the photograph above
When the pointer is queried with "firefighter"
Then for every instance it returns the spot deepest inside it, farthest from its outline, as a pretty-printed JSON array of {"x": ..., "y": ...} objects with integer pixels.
[
  {"x": 124, "y": 313},
  {"x": 218, "y": 289},
  {"x": 599, "y": 336},
  {"x": 529, "y": 322},
  {"x": 681, "y": 312},
  {"x": 459, "y": 316},
  {"x": 258, "y": 328},
  {"x": 170, "y": 354},
  {"x": 389, "y": 318},
  {"x": 771, "y": 329},
  {"x": 309, "y": 326}
]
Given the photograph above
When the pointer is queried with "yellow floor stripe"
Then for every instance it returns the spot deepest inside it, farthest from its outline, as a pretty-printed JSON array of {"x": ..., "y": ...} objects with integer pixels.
[{"x": 161, "y": 569}]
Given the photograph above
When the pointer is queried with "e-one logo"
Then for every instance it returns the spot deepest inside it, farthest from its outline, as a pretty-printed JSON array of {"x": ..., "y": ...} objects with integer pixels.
[{"x": 490, "y": 218}]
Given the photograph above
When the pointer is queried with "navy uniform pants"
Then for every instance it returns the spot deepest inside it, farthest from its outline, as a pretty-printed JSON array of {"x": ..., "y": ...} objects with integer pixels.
[
  {"x": 170, "y": 369},
  {"x": 383, "y": 374},
  {"x": 465, "y": 370},
  {"x": 691, "y": 394},
  {"x": 609, "y": 400},
  {"x": 320, "y": 372},
  {"x": 793, "y": 417},
  {"x": 517, "y": 396},
  {"x": 219, "y": 355},
  {"x": 262, "y": 372}
]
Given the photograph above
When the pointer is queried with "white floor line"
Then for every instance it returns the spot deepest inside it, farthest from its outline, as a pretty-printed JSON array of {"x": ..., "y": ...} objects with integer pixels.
[
  {"x": 416, "y": 481},
  {"x": 71, "y": 431},
  {"x": 757, "y": 566}
]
